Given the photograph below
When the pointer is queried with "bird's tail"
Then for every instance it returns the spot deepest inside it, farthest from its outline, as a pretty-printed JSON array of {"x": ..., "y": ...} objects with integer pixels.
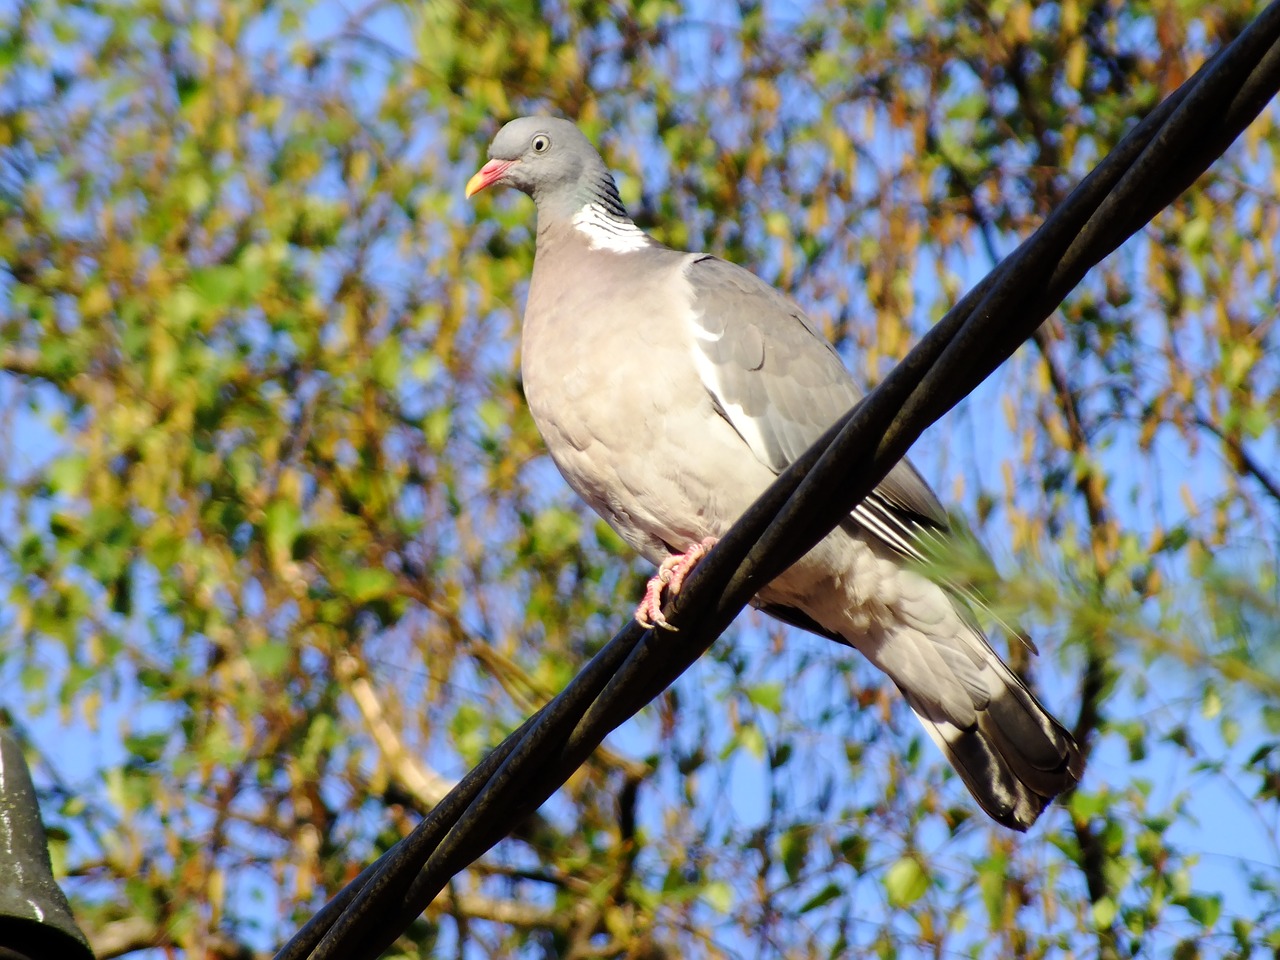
[{"x": 1015, "y": 757}]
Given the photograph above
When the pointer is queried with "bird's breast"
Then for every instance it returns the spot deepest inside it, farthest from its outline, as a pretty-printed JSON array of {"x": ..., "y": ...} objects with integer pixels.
[{"x": 618, "y": 400}]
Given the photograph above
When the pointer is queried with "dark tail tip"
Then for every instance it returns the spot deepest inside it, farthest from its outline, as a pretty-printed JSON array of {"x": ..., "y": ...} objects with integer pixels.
[{"x": 1014, "y": 760}]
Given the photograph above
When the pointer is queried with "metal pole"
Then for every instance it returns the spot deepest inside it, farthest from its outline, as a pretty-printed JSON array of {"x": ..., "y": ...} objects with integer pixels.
[{"x": 35, "y": 919}]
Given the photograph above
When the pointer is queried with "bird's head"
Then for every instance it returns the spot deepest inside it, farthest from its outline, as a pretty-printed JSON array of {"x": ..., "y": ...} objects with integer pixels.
[{"x": 547, "y": 158}]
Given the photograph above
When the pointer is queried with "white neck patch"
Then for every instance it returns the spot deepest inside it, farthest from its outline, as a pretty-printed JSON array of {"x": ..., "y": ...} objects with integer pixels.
[{"x": 606, "y": 231}]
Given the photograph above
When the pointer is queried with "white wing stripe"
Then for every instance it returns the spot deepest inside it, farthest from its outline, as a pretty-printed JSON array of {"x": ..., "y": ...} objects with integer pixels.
[
  {"x": 746, "y": 426},
  {"x": 888, "y": 528}
]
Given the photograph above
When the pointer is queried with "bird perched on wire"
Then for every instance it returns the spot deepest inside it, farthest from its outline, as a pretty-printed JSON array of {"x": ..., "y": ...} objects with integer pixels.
[{"x": 671, "y": 388}]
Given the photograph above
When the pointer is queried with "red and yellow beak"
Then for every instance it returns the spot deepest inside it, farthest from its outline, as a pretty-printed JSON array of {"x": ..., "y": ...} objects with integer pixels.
[{"x": 487, "y": 175}]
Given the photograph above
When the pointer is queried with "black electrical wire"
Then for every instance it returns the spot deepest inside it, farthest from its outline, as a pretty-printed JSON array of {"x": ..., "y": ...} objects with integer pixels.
[{"x": 1151, "y": 166}]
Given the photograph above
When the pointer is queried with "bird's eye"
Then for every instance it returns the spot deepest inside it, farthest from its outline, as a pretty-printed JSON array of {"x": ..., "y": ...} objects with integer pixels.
[{"x": 540, "y": 143}]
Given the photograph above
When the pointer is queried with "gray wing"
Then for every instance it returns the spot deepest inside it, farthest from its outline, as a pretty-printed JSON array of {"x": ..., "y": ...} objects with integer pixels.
[{"x": 780, "y": 384}]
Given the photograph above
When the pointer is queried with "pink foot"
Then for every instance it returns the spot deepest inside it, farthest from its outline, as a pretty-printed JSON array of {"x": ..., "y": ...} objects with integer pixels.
[{"x": 671, "y": 574}]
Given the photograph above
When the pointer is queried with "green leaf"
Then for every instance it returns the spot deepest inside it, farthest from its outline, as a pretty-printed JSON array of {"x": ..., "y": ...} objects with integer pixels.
[
  {"x": 437, "y": 426},
  {"x": 147, "y": 747},
  {"x": 854, "y": 848},
  {"x": 493, "y": 414},
  {"x": 1204, "y": 910},
  {"x": 905, "y": 882},
  {"x": 752, "y": 739},
  {"x": 555, "y": 530},
  {"x": 1085, "y": 805},
  {"x": 993, "y": 882},
  {"x": 369, "y": 583},
  {"x": 269, "y": 659},
  {"x": 821, "y": 898},
  {"x": 282, "y": 523},
  {"x": 767, "y": 696},
  {"x": 217, "y": 286},
  {"x": 386, "y": 363},
  {"x": 1104, "y": 912},
  {"x": 793, "y": 846},
  {"x": 67, "y": 474},
  {"x": 1211, "y": 704},
  {"x": 718, "y": 895}
]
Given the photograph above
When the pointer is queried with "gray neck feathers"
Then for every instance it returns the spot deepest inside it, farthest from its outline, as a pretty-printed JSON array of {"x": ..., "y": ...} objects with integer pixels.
[
  {"x": 563, "y": 198},
  {"x": 591, "y": 205}
]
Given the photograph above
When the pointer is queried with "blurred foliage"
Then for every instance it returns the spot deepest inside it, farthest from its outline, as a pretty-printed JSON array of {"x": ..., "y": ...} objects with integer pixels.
[{"x": 281, "y": 555}]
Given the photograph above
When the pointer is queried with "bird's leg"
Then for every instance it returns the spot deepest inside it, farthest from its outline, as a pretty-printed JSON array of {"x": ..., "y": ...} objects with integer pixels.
[{"x": 670, "y": 575}]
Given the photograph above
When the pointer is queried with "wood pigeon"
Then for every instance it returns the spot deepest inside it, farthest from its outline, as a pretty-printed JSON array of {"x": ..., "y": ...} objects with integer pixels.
[{"x": 671, "y": 388}]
